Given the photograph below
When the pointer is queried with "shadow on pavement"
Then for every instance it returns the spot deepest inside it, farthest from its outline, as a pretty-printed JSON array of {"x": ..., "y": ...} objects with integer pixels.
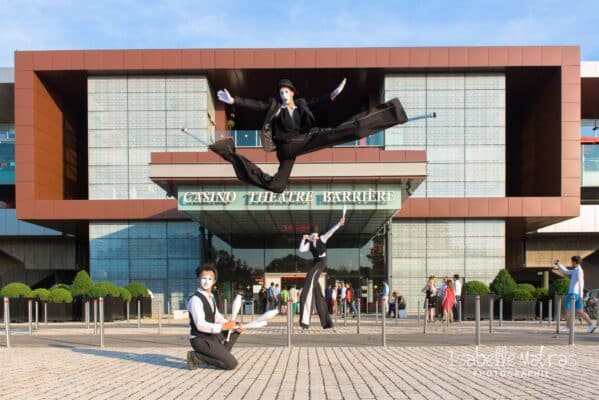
[{"x": 160, "y": 360}]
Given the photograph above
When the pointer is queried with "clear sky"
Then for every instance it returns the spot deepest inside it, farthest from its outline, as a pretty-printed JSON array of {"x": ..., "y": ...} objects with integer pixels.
[{"x": 135, "y": 24}]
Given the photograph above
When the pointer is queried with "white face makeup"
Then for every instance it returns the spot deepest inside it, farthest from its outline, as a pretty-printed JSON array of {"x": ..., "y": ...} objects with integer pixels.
[
  {"x": 314, "y": 236},
  {"x": 286, "y": 95},
  {"x": 206, "y": 282}
]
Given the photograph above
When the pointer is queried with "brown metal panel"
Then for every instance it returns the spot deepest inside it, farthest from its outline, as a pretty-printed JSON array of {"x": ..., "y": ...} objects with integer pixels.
[
  {"x": 458, "y": 208},
  {"x": 264, "y": 58},
  {"x": 365, "y": 57},
  {"x": 305, "y": 58},
  {"x": 478, "y": 56},
  {"x": 571, "y": 92},
  {"x": 499, "y": 206},
  {"x": 326, "y": 58},
  {"x": 458, "y": 56},
  {"x": 571, "y": 206},
  {"x": 514, "y": 206},
  {"x": 419, "y": 57},
  {"x": 172, "y": 59},
  {"x": 438, "y": 207},
  {"x": 571, "y": 74},
  {"x": 285, "y": 58},
  {"x": 499, "y": 56},
  {"x": 42, "y": 60},
  {"x": 439, "y": 57},
  {"x": 224, "y": 58},
  {"x": 551, "y": 55},
  {"x": 478, "y": 207},
  {"x": 551, "y": 206},
  {"x": 151, "y": 59},
  {"x": 244, "y": 58},
  {"x": 347, "y": 58},
  {"x": 515, "y": 56},
  {"x": 23, "y": 61},
  {"x": 531, "y": 55},
  {"x": 571, "y": 55},
  {"x": 132, "y": 59},
  {"x": 383, "y": 57},
  {"x": 571, "y": 187},
  {"x": 344, "y": 155},
  {"x": 570, "y": 150},
  {"x": 399, "y": 57}
]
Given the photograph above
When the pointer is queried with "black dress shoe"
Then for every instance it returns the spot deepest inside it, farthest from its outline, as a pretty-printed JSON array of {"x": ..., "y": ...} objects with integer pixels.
[
  {"x": 400, "y": 113},
  {"x": 223, "y": 147},
  {"x": 191, "y": 360}
]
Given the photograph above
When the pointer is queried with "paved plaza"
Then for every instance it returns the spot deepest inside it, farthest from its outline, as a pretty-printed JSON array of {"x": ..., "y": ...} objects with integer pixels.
[{"x": 523, "y": 360}]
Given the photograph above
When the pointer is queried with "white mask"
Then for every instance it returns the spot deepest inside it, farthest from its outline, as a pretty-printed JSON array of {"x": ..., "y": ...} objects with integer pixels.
[
  {"x": 206, "y": 282},
  {"x": 286, "y": 95}
]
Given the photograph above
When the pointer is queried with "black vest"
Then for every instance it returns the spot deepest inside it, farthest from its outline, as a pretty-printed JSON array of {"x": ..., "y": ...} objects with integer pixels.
[
  {"x": 317, "y": 249},
  {"x": 208, "y": 313}
]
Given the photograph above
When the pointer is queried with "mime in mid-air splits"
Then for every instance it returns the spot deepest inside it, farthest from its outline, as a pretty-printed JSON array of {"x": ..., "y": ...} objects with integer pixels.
[{"x": 291, "y": 130}]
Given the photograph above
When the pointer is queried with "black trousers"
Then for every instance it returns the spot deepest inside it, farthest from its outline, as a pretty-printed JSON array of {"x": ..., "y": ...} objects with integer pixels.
[
  {"x": 312, "y": 295},
  {"x": 211, "y": 350},
  {"x": 357, "y": 127}
]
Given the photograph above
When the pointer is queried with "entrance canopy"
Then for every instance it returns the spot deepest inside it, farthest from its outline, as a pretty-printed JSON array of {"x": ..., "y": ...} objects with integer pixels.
[{"x": 372, "y": 192}]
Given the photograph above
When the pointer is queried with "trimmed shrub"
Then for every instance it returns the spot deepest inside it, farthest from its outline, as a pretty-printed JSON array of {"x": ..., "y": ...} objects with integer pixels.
[
  {"x": 503, "y": 284},
  {"x": 125, "y": 294},
  {"x": 475, "y": 288},
  {"x": 541, "y": 293},
  {"x": 559, "y": 287},
  {"x": 137, "y": 289},
  {"x": 60, "y": 295},
  {"x": 40, "y": 294},
  {"x": 527, "y": 286},
  {"x": 521, "y": 294},
  {"x": 61, "y": 286},
  {"x": 103, "y": 289},
  {"x": 82, "y": 284},
  {"x": 15, "y": 290}
]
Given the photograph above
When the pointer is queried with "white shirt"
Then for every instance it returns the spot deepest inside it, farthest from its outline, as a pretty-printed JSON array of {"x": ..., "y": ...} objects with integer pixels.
[
  {"x": 576, "y": 279},
  {"x": 196, "y": 309},
  {"x": 457, "y": 287},
  {"x": 305, "y": 244},
  {"x": 343, "y": 292}
]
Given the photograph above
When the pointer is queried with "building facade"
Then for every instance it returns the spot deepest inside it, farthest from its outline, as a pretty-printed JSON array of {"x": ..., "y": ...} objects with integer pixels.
[{"x": 100, "y": 156}]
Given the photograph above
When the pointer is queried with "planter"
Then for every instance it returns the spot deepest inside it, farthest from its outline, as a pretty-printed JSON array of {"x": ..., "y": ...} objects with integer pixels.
[
  {"x": 18, "y": 309},
  {"x": 468, "y": 306},
  {"x": 113, "y": 309},
  {"x": 146, "y": 308},
  {"x": 522, "y": 310},
  {"x": 59, "y": 312}
]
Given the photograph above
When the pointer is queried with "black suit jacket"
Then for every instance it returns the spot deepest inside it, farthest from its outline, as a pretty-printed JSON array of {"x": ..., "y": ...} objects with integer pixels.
[{"x": 272, "y": 106}]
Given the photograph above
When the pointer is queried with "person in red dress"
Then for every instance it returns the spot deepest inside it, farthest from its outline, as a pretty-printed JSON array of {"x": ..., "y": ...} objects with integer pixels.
[{"x": 448, "y": 301}]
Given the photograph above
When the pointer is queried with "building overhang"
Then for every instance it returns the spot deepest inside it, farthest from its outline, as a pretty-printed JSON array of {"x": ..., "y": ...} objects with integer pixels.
[{"x": 371, "y": 190}]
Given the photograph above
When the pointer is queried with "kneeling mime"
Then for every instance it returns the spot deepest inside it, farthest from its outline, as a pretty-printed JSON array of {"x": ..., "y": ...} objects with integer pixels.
[{"x": 209, "y": 329}]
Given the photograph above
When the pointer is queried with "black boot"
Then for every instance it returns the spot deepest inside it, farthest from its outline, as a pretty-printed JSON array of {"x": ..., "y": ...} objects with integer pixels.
[{"x": 223, "y": 147}]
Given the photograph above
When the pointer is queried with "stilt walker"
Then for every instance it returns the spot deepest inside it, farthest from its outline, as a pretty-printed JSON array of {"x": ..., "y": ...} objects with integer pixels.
[
  {"x": 290, "y": 129},
  {"x": 312, "y": 291}
]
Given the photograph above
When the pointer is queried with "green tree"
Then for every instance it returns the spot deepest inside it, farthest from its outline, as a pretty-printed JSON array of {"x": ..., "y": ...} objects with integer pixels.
[
  {"x": 15, "y": 290},
  {"x": 60, "y": 295},
  {"x": 103, "y": 289},
  {"x": 137, "y": 289},
  {"x": 82, "y": 284},
  {"x": 503, "y": 284},
  {"x": 40, "y": 294},
  {"x": 475, "y": 288}
]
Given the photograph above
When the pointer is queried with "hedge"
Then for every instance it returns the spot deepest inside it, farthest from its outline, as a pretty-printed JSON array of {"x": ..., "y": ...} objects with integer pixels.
[
  {"x": 61, "y": 286},
  {"x": 527, "y": 286},
  {"x": 559, "y": 287},
  {"x": 15, "y": 290},
  {"x": 541, "y": 293},
  {"x": 503, "y": 284},
  {"x": 125, "y": 294},
  {"x": 521, "y": 294},
  {"x": 60, "y": 295},
  {"x": 137, "y": 289},
  {"x": 82, "y": 284},
  {"x": 41, "y": 294},
  {"x": 103, "y": 289},
  {"x": 475, "y": 288}
]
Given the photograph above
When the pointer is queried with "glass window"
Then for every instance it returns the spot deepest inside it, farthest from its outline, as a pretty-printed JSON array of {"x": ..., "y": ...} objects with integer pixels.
[{"x": 590, "y": 165}]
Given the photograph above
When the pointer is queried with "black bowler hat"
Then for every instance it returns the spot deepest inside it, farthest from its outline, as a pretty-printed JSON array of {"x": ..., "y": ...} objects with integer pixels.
[
  {"x": 314, "y": 229},
  {"x": 287, "y": 83}
]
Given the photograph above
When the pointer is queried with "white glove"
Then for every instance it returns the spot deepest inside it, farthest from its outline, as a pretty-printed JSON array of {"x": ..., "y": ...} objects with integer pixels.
[
  {"x": 338, "y": 89},
  {"x": 225, "y": 96}
]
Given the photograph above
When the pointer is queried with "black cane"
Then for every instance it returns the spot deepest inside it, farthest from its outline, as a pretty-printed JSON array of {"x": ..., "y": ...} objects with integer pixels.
[{"x": 423, "y": 116}]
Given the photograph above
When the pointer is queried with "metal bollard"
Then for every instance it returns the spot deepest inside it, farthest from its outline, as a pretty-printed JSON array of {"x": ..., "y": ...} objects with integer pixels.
[
  {"x": 87, "y": 316},
  {"x": 37, "y": 314},
  {"x": 491, "y": 301},
  {"x": 30, "y": 316},
  {"x": 128, "y": 311},
  {"x": 397, "y": 310},
  {"x": 139, "y": 313},
  {"x": 558, "y": 313},
  {"x": 359, "y": 314},
  {"x": 168, "y": 312},
  {"x": 460, "y": 305},
  {"x": 477, "y": 318},
  {"x": 95, "y": 316},
  {"x": 225, "y": 309},
  {"x": 101, "y": 322},
  {"x": 572, "y": 319},
  {"x": 425, "y": 315},
  {"x": 376, "y": 310},
  {"x": 289, "y": 321},
  {"x": 241, "y": 312},
  {"x": 419, "y": 312},
  {"x": 7, "y": 320},
  {"x": 501, "y": 311},
  {"x": 383, "y": 323},
  {"x": 46, "y": 313},
  {"x": 159, "y": 317},
  {"x": 549, "y": 312},
  {"x": 540, "y": 313}
]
